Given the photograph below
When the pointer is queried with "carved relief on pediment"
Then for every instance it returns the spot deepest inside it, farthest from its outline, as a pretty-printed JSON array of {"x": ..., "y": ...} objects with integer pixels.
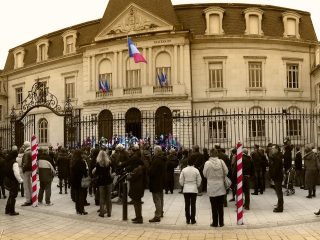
[{"x": 133, "y": 19}]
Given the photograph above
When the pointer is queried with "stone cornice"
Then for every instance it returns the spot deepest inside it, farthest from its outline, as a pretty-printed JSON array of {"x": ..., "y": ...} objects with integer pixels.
[{"x": 136, "y": 99}]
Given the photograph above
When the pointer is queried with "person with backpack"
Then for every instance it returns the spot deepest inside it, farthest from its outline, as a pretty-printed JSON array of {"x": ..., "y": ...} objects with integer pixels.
[{"x": 256, "y": 157}]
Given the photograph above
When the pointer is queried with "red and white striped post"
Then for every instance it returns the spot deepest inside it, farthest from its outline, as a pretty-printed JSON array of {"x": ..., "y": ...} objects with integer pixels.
[
  {"x": 34, "y": 149},
  {"x": 239, "y": 185}
]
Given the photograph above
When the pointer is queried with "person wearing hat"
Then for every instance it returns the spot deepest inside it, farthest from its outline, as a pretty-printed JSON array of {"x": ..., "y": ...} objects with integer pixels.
[{"x": 27, "y": 172}]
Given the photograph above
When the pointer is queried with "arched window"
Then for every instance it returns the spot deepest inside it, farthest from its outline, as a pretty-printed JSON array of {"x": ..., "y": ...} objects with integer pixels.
[
  {"x": 293, "y": 121},
  {"x": 105, "y": 72},
  {"x": 291, "y": 21},
  {"x": 43, "y": 131},
  {"x": 256, "y": 124},
  {"x": 163, "y": 121},
  {"x": 133, "y": 122},
  {"x": 133, "y": 78},
  {"x": 253, "y": 17},
  {"x": 69, "y": 41},
  {"x": 163, "y": 66},
  {"x": 214, "y": 17},
  {"x": 217, "y": 124},
  {"x": 105, "y": 123}
]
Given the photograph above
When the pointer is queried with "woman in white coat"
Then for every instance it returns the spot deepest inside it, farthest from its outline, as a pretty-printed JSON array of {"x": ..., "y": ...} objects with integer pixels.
[
  {"x": 214, "y": 170},
  {"x": 190, "y": 180}
]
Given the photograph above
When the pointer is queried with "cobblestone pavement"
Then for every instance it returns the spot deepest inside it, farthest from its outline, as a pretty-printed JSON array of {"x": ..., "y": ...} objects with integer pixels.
[{"x": 61, "y": 222}]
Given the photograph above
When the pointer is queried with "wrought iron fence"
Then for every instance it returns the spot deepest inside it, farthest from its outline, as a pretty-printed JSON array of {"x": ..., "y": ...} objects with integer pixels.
[{"x": 206, "y": 129}]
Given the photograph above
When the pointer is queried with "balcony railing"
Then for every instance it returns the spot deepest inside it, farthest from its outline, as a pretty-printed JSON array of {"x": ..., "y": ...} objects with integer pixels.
[
  {"x": 101, "y": 94},
  {"x": 158, "y": 89},
  {"x": 132, "y": 91}
]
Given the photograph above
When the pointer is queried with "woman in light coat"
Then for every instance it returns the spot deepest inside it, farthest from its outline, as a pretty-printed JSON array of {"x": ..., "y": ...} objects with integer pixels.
[
  {"x": 190, "y": 180},
  {"x": 214, "y": 170}
]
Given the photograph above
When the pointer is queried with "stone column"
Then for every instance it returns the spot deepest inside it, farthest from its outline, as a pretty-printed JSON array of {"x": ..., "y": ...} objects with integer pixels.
[
  {"x": 181, "y": 64},
  {"x": 175, "y": 64},
  {"x": 120, "y": 70},
  {"x": 149, "y": 81},
  {"x": 115, "y": 70},
  {"x": 93, "y": 86},
  {"x": 89, "y": 73},
  {"x": 144, "y": 68}
]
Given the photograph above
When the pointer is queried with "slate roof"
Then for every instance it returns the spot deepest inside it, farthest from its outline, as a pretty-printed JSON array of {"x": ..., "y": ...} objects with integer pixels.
[
  {"x": 234, "y": 21},
  {"x": 191, "y": 16},
  {"x": 161, "y": 8},
  {"x": 86, "y": 33}
]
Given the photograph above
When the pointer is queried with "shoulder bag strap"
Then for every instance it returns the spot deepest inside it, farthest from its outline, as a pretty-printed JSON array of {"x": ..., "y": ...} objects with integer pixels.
[{"x": 222, "y": 169}]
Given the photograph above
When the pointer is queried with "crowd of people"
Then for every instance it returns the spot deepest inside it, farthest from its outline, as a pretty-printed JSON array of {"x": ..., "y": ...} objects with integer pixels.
[{"x": 199, "y": 173}]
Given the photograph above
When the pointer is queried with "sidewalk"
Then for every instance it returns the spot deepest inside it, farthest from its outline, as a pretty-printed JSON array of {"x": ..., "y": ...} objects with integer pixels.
[{"x": 297, "y": 209}]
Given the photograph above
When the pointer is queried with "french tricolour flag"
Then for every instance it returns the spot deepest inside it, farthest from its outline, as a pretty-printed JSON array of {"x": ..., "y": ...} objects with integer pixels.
[{"x": 134, "y": 52}]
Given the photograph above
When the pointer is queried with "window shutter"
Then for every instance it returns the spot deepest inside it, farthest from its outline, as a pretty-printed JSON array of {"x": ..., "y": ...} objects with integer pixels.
[
  {"x": 214, "y": 22},
  {"x": 291, "y": 27},
  {"x": 254, "y": 24}
]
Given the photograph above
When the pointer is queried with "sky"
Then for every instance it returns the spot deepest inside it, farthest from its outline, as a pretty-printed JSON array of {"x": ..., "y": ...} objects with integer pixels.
[{"x": 24, "y": 20}]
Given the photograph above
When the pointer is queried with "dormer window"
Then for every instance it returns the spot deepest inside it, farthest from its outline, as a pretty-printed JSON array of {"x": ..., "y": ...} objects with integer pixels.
[
  {"x": 214, "y": 16},
  {"x": 18, "y": 54},
  {"x": 42, "y": 50},
  {"x": 291, "y": 22},
  {"x": 69, "y": 41},
  {"x": 253, "y": 17}
]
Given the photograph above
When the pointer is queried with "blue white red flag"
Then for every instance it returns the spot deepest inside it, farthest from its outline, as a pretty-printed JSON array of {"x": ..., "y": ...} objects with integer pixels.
[
  {"x": 164, "y": 80},
  {"x": 102, "y": 86},
  {"x": 159, "y": 79},
  {"x": 106, "y": 85},
  {"x": 134, "y": 52}
]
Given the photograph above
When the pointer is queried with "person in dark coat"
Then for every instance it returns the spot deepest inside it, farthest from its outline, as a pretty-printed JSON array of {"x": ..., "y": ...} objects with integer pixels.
[
  {"x": 287, "y": 163},
  {"x": 183, "y": 163},
  {"x": 199, "y": 164},
  {"x": 93, "y": 162},
  {"x": 172, "y": 163},
  {"x": 257, "y": 178},
  {"x": 298, "y": 168},
  {"x": 247, "y": 173},
  {"x": 311, "y": 171},
  {"x": 63, "y": 164},
  {"x": 13, "y": 175},
  {"x": 157, "y": 175},
  {"x": 103, "y": 173},
  {"x": 233, "y": 159},
  {"x": 46, "y": 175},
  {"x": 2, "y": 175},
  {"x": 264, "y": 165},
  {"x": 136, "y": 191},
  {"x": 276, "y": 171},
  {"x": 78, "y": 170}
]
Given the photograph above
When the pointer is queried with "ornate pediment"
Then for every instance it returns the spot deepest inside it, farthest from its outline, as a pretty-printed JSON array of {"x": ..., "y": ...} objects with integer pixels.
[{"x": 133, "y": 20}]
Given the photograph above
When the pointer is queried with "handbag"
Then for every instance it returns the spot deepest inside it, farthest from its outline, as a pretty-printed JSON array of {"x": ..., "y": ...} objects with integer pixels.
[
  {"x": 8, "y": 184},
  {"x": 227, "y": 182},
  {"x": 85, "y": 182}
]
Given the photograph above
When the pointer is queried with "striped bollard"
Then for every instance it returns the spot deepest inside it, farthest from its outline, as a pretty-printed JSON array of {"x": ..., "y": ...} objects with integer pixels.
[
  {"x": 34, "y": 149},
  {"x": 239, "y": 185}
]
